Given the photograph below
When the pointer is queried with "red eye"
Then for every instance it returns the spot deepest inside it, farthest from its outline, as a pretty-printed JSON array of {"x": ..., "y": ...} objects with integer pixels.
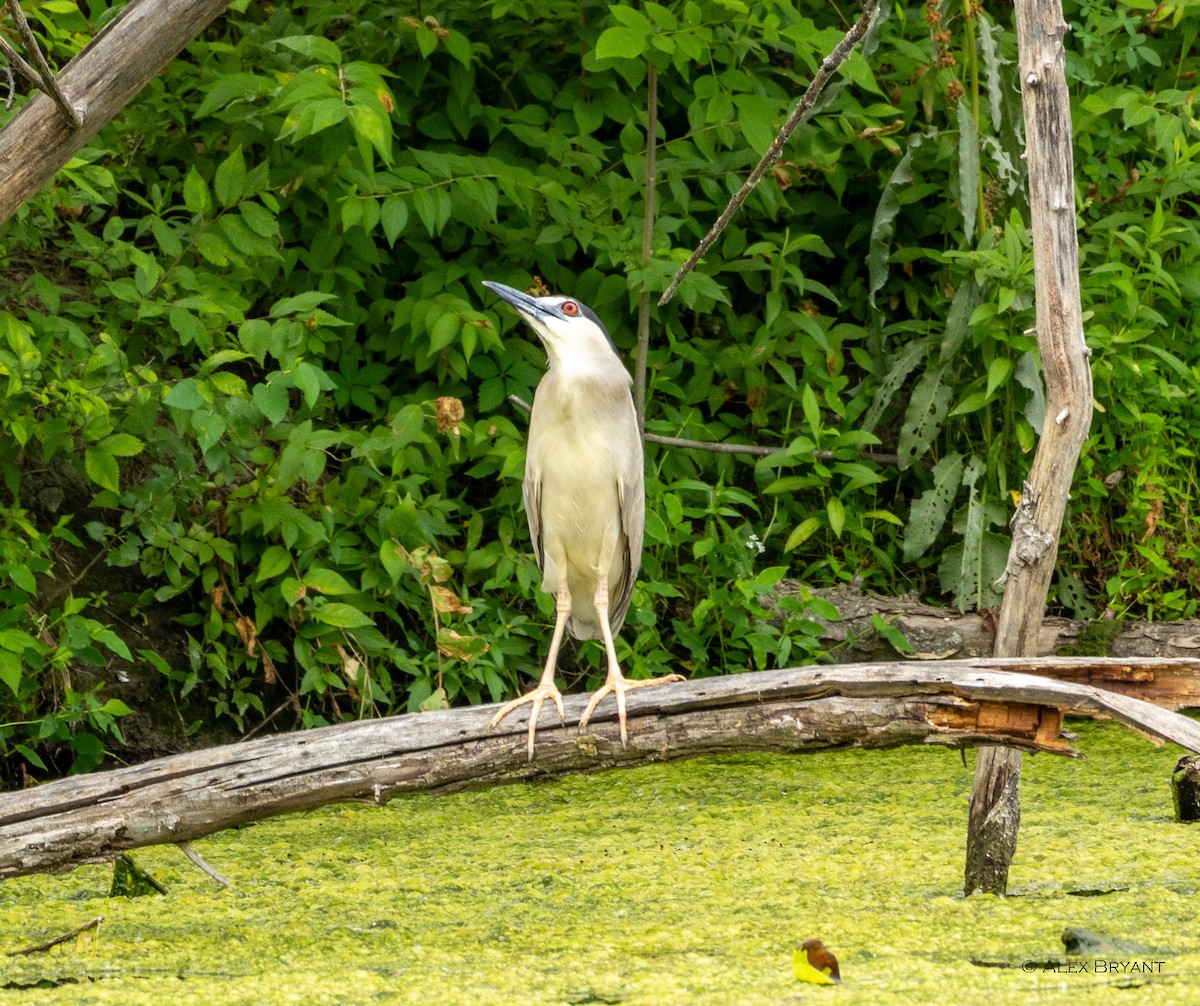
[{"x": 570, "y": 307}]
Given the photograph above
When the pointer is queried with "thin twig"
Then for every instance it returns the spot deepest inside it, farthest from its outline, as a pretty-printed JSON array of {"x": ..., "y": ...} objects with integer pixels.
[
  {"x": 643, "y": 329},
  {"x": 17, "y": 60},
  {"x": 194, "y": 856},
  {"x": 12, "y": 87},
  {"x": 879, "y": 457},
  {"x": 41, "y": 948},
  {"x": 805, "y": 105},
  {"x": 289, "y": 701},
  {"x": 47, "y": 80},
  {"x": 755, "y": 450}
]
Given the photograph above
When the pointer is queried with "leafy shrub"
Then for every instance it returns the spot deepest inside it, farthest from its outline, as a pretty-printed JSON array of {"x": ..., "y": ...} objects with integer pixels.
[{"x": 249, "y": 316}]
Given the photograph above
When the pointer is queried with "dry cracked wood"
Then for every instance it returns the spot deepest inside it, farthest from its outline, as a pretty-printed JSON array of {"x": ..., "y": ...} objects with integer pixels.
[
  {"x": 955, "y": 703},
  {"x": 124, "y": 56}
]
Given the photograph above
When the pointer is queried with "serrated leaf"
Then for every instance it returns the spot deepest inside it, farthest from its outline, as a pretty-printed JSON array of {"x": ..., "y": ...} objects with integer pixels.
[
  {"x": 123, "y": 445},
  {"x": 302, "y": 303},
  {"x": 230, "y": 180},
  {"x": 185, "y": 395},
  {"x": 272, "y": 400},
  {"x": 195, "y": 194},
  {"x": 101, "y": 468}
]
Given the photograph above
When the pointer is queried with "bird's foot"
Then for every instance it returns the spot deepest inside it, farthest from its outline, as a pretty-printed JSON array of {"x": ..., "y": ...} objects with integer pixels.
[
  {"x": 537, "y": 698},
  {"x": 618, "y": 684}
]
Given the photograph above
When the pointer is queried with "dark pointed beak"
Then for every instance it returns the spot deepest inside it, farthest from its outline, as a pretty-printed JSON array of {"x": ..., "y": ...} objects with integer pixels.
[{"x": 527, "y": 306}]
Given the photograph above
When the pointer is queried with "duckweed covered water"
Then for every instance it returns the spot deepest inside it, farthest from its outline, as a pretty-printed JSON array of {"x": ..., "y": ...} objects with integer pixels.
[{"x": 684, "y": 883}]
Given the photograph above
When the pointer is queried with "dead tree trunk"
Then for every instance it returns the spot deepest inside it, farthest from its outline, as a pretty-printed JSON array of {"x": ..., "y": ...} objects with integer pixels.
[
  {"x": 995, "y": 812},
  {"x": 126, "y": 54},
  {"x": 953, "y": 704}
]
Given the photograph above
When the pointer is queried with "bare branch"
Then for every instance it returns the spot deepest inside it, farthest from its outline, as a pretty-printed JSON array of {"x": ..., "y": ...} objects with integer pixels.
[
  {"x": 41, "y": 948},
  {"x": 45, "y": 79},
  {"x": 754, "y": 450},
  {"x": 805, "y": 105},
  {"x": 643, "y": 328},
  {"x": 196, "y": 858}
]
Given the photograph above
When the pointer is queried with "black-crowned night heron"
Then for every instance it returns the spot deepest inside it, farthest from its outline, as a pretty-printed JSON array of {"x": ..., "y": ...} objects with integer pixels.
[{"x": 585, "y": 496}]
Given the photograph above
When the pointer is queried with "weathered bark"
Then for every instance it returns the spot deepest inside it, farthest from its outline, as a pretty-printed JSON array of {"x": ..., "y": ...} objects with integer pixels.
[
  {"x": 995, "y": 811},
  {"x": 123, "y": 57},
  {"x": 958, "y": 703}
]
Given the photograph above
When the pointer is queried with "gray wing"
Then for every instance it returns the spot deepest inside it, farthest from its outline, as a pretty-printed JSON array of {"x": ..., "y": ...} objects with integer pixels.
[{"x": 631, "y": 494}]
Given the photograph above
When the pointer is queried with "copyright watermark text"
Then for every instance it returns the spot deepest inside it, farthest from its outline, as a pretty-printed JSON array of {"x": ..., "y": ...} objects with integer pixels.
[{"x": 1096, "y": 966}]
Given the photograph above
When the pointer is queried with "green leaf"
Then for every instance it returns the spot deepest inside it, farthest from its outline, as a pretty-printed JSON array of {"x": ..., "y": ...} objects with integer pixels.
[
  {"x": 326, "y": 581},
  {"x": 801, "y": 533},
  {"x": 308, "y": 379},
  {"x": 622, "y": 43},
  {"x": 968, "y": 169},
  {"x": 123, "y": 445},
  {"x": 886, "y": 630},
  {"x": 186, "y": 394},
  {"x": 394, "y": 217},
  {"x": 275, "y": 560},
  {"x": 971, "y": 403},
  {"x": 10, "y": 671},
  {"x": 837, "y": 515},
  {"x": 932, "y": 507},
  {"x": 924, "y": 417},
  {"x": 312, "y": 46},
  {"x": 998, "y": 372},
  {"x": 343, "y": 616},
  {"x": 812, "y": 411},
  {"x": 101, "y": 468},
  {"x": 272, "y": 400},
  {"x": 231, "y": 180},
  {"x": 23, "y": 578},
  {"x": 302, "y": 304},
  {"x": 757, "y": 120},
  {"x": 195, "y": 194}
]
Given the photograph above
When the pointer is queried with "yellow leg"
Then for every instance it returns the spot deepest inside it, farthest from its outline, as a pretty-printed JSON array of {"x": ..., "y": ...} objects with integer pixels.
[
  {"x": 616, "y": 682},
  {"x": 546, "y": 688}
]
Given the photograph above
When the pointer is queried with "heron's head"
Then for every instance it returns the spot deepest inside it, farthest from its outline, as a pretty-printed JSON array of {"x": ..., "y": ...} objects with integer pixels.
[{"x": 570, "y": 331}]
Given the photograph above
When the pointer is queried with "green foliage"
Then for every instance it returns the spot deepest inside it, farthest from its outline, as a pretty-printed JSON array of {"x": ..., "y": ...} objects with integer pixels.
[{"x": 248, "y": 317}]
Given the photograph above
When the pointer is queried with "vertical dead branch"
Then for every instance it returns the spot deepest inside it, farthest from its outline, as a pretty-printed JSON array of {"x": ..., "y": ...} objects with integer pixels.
[
  {"x": 643, "y": 330},
  {"x": 995, "y": 812}
]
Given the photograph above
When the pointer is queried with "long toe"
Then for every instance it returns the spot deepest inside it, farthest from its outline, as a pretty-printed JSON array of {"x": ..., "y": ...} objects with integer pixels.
[
  {"x": 536, "y": 699},
  {"x": 619, "y": 685}
]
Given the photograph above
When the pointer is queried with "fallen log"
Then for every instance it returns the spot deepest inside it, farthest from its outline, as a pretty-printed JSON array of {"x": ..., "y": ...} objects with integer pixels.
[
  {"x": 126, "y": 54},
  {"x": 938, "y": 633},
  {"x": 94, "y": 818}
]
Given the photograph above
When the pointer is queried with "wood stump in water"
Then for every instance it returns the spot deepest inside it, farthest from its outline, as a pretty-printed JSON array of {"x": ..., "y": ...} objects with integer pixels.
[{"x": 1185, "y": 788}]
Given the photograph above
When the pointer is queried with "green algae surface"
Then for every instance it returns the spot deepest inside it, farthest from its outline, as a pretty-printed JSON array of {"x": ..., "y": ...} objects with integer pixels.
[{"x": 682, "y": 883}]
